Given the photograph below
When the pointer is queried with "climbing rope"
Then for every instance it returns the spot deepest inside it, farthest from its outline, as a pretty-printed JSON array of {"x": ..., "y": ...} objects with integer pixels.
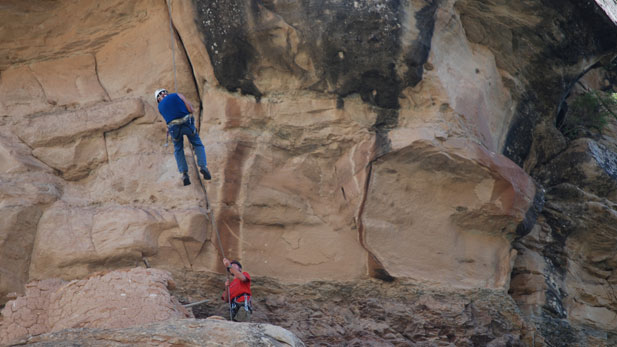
[
  {"x": 209, "y": 211},
  {"x": 173, "y": 44}
]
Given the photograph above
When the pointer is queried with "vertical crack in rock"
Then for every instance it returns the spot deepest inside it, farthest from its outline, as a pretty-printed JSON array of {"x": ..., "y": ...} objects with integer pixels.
[
  {"x": 375, "y": 268},
  {"x": 180, "y": 42},
  {"x": 38, "y": 81},
  {"x": 98, "y": 78},
  {"x": 188, "y": 256},
  {"x": 562, "y": 108},
  {"x": 387, "y": 119},
  {"x": 40, "y": 210},
  {"x": 193, "y": 75},
  {"x": 106, "y": 149},
  {"x": 176, "y": 250},
  {"x": 532, "y": 213}
]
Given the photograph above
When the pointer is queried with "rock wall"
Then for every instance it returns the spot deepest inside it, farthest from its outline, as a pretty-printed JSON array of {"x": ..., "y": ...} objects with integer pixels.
[
  {"x": 118, "y": 299},
  {"x": 86, "y": 182},
  {"x": 564, "y": 275},
  {"x": 295, "y": 163},
  {"x": 412, "y": 139},
  {"x": 435, "y": 114}
]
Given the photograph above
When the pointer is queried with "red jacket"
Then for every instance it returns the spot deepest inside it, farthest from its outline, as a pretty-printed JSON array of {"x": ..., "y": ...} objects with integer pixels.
[{"x": 238, "y": 288}]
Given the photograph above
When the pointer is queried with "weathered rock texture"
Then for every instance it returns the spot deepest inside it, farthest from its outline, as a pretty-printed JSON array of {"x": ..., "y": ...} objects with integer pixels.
[
  {"x": 294, "y": 165},
  {"x": 117, "y": 299},
  {"x": 566, "y": 270},
  {"x": 331, "y": 145},
  {"x": 184, "y": 332},
  {"x": 373, "y": 313},
  {"x": 86, "y": 184},
  {"x": 408, "y": 139}
]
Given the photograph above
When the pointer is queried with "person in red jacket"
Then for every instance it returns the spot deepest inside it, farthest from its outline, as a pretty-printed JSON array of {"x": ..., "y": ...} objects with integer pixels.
[{"x": 239, "y": 291}]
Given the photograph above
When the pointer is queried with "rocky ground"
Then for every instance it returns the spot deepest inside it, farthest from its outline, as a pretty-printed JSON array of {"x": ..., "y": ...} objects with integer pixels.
[{"x": 372, "y": 312}]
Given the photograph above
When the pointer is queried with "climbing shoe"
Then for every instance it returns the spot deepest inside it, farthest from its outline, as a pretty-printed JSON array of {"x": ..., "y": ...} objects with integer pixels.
[
  {"x": 206, "y": 173},
  {"x": 185, "y": 179}
]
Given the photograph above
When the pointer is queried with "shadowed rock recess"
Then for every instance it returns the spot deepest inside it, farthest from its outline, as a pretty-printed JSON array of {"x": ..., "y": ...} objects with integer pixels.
[{"x": 391, "y": 172}]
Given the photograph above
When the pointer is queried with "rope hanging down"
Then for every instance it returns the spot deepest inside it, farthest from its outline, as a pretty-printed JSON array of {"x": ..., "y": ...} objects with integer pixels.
[
  {"x": 173, "y": 44},
  {"x": 208, "y": 207}
]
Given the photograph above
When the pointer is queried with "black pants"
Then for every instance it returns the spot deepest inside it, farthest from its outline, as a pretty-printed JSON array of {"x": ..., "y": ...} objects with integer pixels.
[{"x": 241, "y": 311}]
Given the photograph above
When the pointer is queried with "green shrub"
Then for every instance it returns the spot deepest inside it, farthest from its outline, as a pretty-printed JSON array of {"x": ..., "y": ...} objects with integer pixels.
[{"x": 589, "y": 111}]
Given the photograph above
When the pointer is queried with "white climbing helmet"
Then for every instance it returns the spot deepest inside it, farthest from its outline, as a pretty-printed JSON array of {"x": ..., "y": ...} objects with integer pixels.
[{"x": 159, "y": 91}]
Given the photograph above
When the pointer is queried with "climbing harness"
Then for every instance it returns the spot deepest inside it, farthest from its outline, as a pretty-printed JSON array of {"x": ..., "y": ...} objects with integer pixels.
[
  {"x": 182, "y": 120},
  {"x": 208, "y": 206}
]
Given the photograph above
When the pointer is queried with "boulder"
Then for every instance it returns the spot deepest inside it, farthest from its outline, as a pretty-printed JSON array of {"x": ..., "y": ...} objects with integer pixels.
[
  {"x": 112, "y": 300},
  {"x": 465, "y": 242},
  {"x": 73, "y": 241},
  {"x": 185, "y": 332},
  {"x": 77, "y": 159}
]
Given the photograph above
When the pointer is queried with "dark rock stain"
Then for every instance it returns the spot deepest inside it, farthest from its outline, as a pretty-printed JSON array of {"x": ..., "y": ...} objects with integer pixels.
[
  {"x": 224, "y": 25},
  {"x": 355, "y": 45},
  {"x": 532, "y": 213},
  {"x": 228, "y": 218},
  {"x": 584, "y": 33}
]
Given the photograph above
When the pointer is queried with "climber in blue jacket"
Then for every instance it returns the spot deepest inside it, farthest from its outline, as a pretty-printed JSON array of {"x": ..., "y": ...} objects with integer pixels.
[{"x": 177, "y": 112}]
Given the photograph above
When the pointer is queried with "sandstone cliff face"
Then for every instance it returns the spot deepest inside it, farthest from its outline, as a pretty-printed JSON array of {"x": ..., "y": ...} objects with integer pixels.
[{"x": 390, "y": 139}]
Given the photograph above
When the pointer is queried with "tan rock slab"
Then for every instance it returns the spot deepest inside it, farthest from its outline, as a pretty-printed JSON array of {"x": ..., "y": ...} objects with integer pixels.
[
  {"x": 446, "y": 215},
  {"x": 71, "y": 240},
  {"x": 51, "y": 129},
  {"x": 21, "y": 93},
  {"x": 15, "y": 156},
  {"x": 76, "y": 159},
  {"x": 184, "y": 332},
  {"x": 117, "y": 299},
  {"x": 70, "y": 81}
]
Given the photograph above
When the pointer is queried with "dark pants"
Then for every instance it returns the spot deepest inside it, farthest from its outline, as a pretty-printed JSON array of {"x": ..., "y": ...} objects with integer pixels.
[{"x": 241, "y": 311}]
